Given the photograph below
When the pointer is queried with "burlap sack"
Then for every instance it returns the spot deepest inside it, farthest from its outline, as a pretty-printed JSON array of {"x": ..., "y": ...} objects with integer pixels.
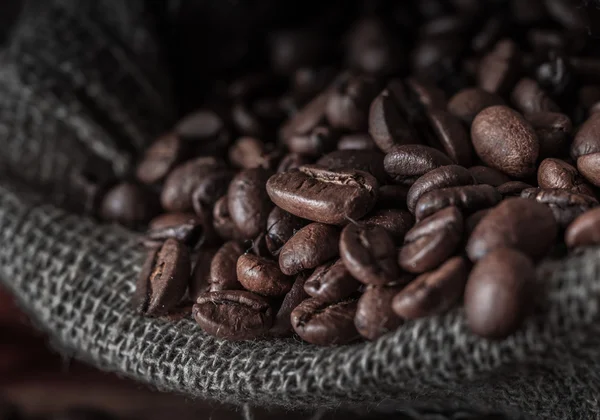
[{"x": 82, "y": 89}]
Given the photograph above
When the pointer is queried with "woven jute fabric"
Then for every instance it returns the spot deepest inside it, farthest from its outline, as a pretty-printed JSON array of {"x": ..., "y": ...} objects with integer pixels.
[{"x": 82, "y": 90}]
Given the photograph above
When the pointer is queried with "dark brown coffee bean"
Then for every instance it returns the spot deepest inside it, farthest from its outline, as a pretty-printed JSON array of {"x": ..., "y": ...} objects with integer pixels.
[
  {"x": 556, "y": 173},
  {"x": 428, "y": 94},
  {"x": 504, "y": 140},
  {"x": 223, "y": 267},
  {"x": 209, "y": 190},
  {"x": 262, "y": 276},
  {"x": 568, "y": 13},
  {"x": 374, "y": 315},
  {"x": 248, "y": 202},
  {"x": 331, "y": 282},
  {"x": 249, "y": 152},
  {"x": 512, "y": 188},
  {"x": 183, "y": 181},
  {"x": 528, "y": 97},
  {"x": 222, "y": 222},
  {"x": 307, "y": 82},
  {"x": 360, "y": 141},
  {"x": 187, "y": 228},
  {"x": 442, "y": 177},
  {"x": 589, "y": 167},
  {"x": 245, "y": 121},
  {"x": 489, "y": 34},
  {"x": 369, "y": 254},
  {"x": 348, "y": 104},
  {"x": 233, "y": 314},
  {"x": 392, "y": 196},
  {"x": 325, "y": 324},
  {"x": 584, "y": 230},
  {"x": 433, "y": 292},
  {"x": 320, "y": 140},
  {"x": 204, "y": 132},
  {"x": 372, "y": 49},
  {"x": 282, "y": 327},
  {"x": 587, "y": 139},
  {"x": 516, "y": 223},
  {"x": 489, "y": 176},
  {"x": 565, "y": 205},
  {"x": 333, "y": 197},
  {"x": 295, "y": 48},
  {"x": 370, "y": 161},
  {"x": 397, "y": 222},
  {"x": 431, "y": 241},
  {"x": 308, "y": 118},
  {"x": 163, "y": 280},
  {"x": 407, "y": 163},
  {"x": 430, "y": 54},
  {"x": 292, "y": 161},
  {"x": 498, "y": 293},
  {"x": 281, "y": 226},
  {"x": 473, "y": 220},
  {"x": 200, "y": 279},
  {"x": 468, "y": 199},
  {"x": 500, "y": 68},
  {"x": 452, "y": 135},
  {"x": 129, "y": 204},
  {"x": 469, "y": 102},
  {"x": 159, "y": 159},
  {"x": 310, "y": 247},
  {"x": 553, "y": 130}
]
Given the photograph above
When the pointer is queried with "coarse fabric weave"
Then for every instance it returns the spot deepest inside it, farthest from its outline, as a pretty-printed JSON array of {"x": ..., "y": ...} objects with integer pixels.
[{"x": 83, "y": 89}]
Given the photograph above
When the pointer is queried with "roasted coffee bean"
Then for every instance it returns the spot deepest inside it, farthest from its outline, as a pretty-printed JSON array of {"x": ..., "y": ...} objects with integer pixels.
[
  {"x": 433, "y": 292},
  {"x": 442, "y": 177},
  {"x": 308, "y": 118},
  {"x": 589, "y": 167},
  {"x": 392, "y": 196},
  {"x": 516, "y": 223},
  {"x": 556, "y": 173},
  {"x": 500, "y": 68},
  {"x": 320, "y": 140},
  {"x": 369, "y": 254},
  {"x": 331, "y": 282},
  {"x": 248, "y": 202},
  {"x": 348, "y": 104},
  {"x": 245, "y": 121},
  {"x": 468, "y": 199},
  {"x": 498, "y": 293},
  {"x": 163, "y": 280},
  {"x": 489, "y": 34},
  {"x": 553, "y": 130},
  {"x": 431, "y": 241},
  {"x": 584, "y": 230},
  {"x": 372, "y": 49},
  {"x": 187, "y": 228},
  {"x": 356, "y": 142},
  {"x": 223, "y": 267},
  {"x": 512, "y": 188},
  {"x": 587, "y": 139},
  {"x": 469, "y": 102},
  {"x": 473, "y": 220},
  {"x": 405, "y": 164},
  {"x": 282, "y": 327},
  {"x": 204, "y": 132},
  {"x": 489, "y": 176},
  {"x": 210, "y": 189},
  {"x": 313, "y": 245},
  {"x": 200, "y": 281},
  {"x": 292, "y": 49},
  {"x": 262, "y": 276},
  {"x": 222, "y": 221},
  {"x": 249, "y": 152},
  {"x": 374, "y": 315},
  {"x": 159, "y": 159},
  {"x": 292, "y": 161},
  {"x": 233, "y": 314},
  {"x": 397, "y": 222},
  {"x": 432, "y": 55},
  {"x": 504, "y": 140},
  {"x": 281, "y": 226},
  {"x": 334, "y": 197},
  {"x": 565, "y": 205},
  {"x": 370, "y": 161},
  {"x": 307, "y": 82},
  {"x": 428, "y": 95},
  {"x": 325, "y": 324},
  {"x": 258, "y": 246},
  {"x": 129, "y": 204},
  {"x": 183, "y": 180},
  {"x": 530, "y": 98},
  {"x": 452, "y": 135}
]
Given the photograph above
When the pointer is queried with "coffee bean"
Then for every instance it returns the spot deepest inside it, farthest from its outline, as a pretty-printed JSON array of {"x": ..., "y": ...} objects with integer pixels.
[
  {"x": 356, "y": 142},
  {"x": 313, "y": 245},
  {"x": 500, "y": 68},
  {"x": 584, "y": 230},
  {"x": 473, "y": 220},
  {"x": 407, "y": 163},
  {"x": 553, "y": 130},
  {"x": 442, "y": 177},
  {"x": 296, "y": 48},
  {"x": 248, "y": 202},
  {"x": 348, "y": 105},
  {"x": 517, "y": 223},
  {"x": 200, "y": 279},
  {"x": 392, "y": 196},
  {"x": 128, "y": 204},
  {"x": 428, "y": 94},
  {"x": 204, "y": 131},
  {"x": 324, "y": 196},
  {"x": 432, "y": 241},
  {"x": 223, "y": 267},
  {"x": 568, "y": 13},
  {"x": 183, "y": 180},
  {"x": 512, "y": 188},
  {"x": 498, "y": 293},
  {"x": 556, "y": 173},
  {"x": 258, "y": 246},
  {"x": 589, "y": 167},
  {"x": 307, "y": 82},
  {"x": 325, "y": 324},
  {"x": 281, "y": 226},
  {"x": 489, "y": 34},
  {"x": 372, "y": 49},
  {"x": 587, "y": 139},
  {"x": 249, "y": 152},
  {"x": 233, "y": 314},
  {"x": 469, "y": 102},
  {"x": 452, "y": 136},
  {"x": 222, "y": 222},
  {"x": 529, "y": 98},
  {"x": 565, "y": 205},
  {"x": 374, "y": 315},
  {"x": 397, "y": 222},
  {"x": 163, "y": 280},
  {"x": 187, "y": 228},
  {"x": 331, "y": 282},
  {"x": 262, "y": 276},
  {"x": 209, "y": 190},
  {"x": 369, "y": 254},
  {"x": 433, "y": 292},
  {"x": 292, "y": 161},
  {"x": 468, "y": 199},
  {"x": 159, "y": 159},
  {"x": 308, "y": 118},
  {"x": 370, "y": 161},
  {"x": 489, "y": 176},
  {"x": 504, "y": 140},
  {"x": 282, "y": 327},
  {"x": 320, "y": 140}
]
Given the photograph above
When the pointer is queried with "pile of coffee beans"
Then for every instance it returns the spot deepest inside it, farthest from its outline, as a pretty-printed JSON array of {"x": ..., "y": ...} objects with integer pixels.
[{"x": 429, "y": 157}]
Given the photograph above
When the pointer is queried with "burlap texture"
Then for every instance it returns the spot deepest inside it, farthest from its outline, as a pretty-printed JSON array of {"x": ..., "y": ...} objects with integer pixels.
[{"x": 63, "y": 111}]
